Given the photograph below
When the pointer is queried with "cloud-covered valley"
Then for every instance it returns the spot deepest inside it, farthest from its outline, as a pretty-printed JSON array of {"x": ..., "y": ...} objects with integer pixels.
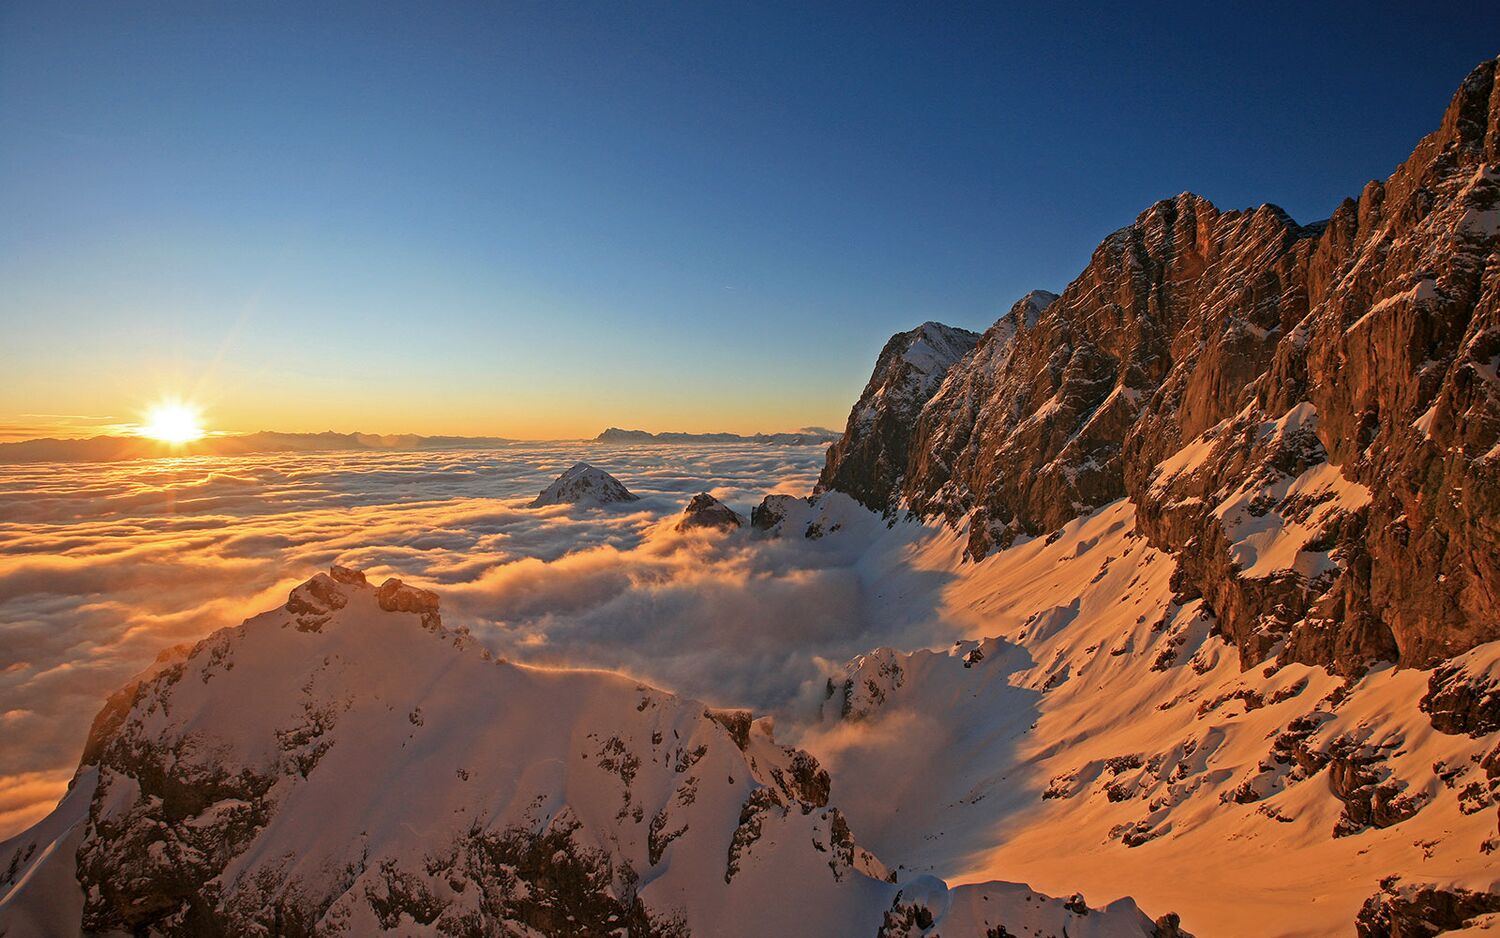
[{"x": 103, "y": 566}]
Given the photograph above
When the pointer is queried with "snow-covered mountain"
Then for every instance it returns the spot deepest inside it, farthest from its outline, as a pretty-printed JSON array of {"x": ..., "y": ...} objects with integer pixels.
[
  {"x": 347, "y": 765},
  {"x": 1096, "y": 732},
  {"x": 584, "y": 485}
]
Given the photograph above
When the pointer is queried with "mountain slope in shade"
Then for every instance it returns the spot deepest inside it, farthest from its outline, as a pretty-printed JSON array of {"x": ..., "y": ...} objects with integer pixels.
[
  {"x": 1307, "y": 416},
  {"x": 868, "y": 460},
  {"x": 346, "y": 765}
]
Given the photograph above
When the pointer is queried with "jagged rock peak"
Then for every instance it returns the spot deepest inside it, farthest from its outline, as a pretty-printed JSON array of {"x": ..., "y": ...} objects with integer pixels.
[
  {"x": 584, "y": 484},
  {"x": 705, "y": 511},
  {"x": 314, "y": 602},
  {"x": 395, "y": 596},
  {"x": 1032, "y": 305},
  {"x": 931, "y": 349},
  {"x": 1473, "y": 116},
  {"x": 867, "y": 461}
]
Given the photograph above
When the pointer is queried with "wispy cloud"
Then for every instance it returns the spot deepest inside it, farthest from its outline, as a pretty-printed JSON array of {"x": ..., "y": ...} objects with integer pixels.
[{"x": 32, "y": 426}]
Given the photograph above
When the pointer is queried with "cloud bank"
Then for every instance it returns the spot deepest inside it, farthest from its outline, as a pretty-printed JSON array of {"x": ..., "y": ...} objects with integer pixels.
[{"x": 102, "y": 566}]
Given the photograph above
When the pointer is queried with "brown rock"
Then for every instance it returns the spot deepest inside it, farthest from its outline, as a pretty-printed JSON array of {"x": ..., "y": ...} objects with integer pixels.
[
  {"x": 347, "y": 575},
  {"x": 705, "y": 511},
  {"x": 1420, "y": 910},
  {"x": 395, "y": 596},
  {"x": 1462, "y": 700},
  {"x": 1362, "y": 349}
]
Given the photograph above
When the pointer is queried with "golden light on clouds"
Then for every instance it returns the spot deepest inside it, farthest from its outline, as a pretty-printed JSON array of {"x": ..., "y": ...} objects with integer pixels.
[{"x": 173, "y": 422}]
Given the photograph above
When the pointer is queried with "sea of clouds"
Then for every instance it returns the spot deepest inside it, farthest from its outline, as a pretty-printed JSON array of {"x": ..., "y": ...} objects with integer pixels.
[{"x": 104, "y": 565}]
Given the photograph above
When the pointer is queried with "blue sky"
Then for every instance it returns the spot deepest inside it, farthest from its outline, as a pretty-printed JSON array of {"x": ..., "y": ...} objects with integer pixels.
[{"x": 540, "y": 219}]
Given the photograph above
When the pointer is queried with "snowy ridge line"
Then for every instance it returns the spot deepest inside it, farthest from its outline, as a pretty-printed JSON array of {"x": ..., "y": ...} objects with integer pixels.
[{"x": 349, "y": 762}]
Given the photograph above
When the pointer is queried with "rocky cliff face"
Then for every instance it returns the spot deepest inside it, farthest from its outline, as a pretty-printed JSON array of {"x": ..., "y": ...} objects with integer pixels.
[
  {"x": 1307, "y": 416},
  {"x": 869, "y": 460}
]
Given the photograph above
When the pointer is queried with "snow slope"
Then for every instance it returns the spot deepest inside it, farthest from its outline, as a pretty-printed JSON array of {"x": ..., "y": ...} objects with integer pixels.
[
  {"x": 1087, "y": 730},
  {"x": 348, "y": 764}
]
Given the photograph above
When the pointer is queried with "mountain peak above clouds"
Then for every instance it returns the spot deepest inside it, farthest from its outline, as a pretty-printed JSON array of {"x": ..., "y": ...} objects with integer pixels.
[
  {"x": 705, "y": 511},
  {"x": 1236, "y": 481},
  {"x": 583, "y": 484},
  {"x": 345, "y": 764},
  {"x": 1179, "y": 585}
]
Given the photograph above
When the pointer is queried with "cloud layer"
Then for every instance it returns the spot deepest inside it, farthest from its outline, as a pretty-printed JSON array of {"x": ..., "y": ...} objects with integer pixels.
[{"x": 102, "y": 566}]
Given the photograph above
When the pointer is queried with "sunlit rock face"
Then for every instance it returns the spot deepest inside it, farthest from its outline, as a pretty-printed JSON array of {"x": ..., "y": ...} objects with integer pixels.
[
  {"x": 1306, "y": 415},
  {"x": 584, "y": 485},
  {"x": 1421, "y": 909},
  {"x": 346, "y": 765}
]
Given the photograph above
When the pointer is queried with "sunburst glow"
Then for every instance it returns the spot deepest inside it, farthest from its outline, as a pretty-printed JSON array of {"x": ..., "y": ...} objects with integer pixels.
[{"x": 173, "y": 422}]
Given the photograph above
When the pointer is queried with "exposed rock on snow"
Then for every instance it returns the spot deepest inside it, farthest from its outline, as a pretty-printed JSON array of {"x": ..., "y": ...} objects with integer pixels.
[
  {"x": 1305, "y": 414},
  {"x": 1463, "y": 695},
  {"x": 810, "y": 518},
  {"x": 380, "y": 774},
  {"x": 1413, "y": 910},
  {"x": 1101, "y": 725},
  {"x": 584, "y": 485},
  {"x": 773, "y": 510},
  {"x": 705, "y": 511},
  {"x": 926, "y": 906}
]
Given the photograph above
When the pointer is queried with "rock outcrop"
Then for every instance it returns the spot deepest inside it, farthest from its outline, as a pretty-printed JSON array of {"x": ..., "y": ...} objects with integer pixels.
[
  {"x": 1420, "y": 910},
  {"x": 868, "y": 461},
  {"x": 705, "y": 511},
  {"x": 1463, "y": 694},
  {"x": 584, "y": 485},
  {"x": 1307, "y": 416},
  {"x": 775, "y": 509}
]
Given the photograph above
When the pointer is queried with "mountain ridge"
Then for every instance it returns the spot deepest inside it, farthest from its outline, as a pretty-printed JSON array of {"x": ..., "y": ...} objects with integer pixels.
[
  {"x": 1195, "y": 327},
  {"x": 803, "y": 437}
]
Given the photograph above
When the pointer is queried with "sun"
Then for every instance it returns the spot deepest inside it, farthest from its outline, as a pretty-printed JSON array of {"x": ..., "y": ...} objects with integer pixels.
[{"x": 173, "y": 422}]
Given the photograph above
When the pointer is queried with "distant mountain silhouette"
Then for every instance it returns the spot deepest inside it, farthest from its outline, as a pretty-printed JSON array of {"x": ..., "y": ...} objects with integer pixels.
[
  {"x": 113, "y": 448},
  {"x": 807, "y": 436}
]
